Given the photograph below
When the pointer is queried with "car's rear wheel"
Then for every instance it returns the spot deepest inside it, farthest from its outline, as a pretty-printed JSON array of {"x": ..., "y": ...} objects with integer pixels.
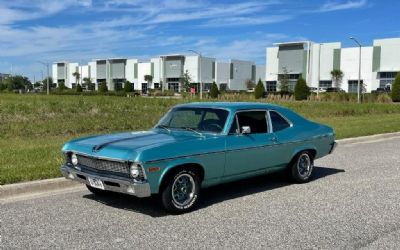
[
  {"x": 181, "y": 191},
  {"x": 302, "y": 167}
]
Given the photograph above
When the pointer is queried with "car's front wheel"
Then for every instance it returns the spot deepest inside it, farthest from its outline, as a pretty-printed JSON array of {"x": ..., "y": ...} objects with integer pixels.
[
  {"x": 181, "y": 191},
  {"x": 302, "y": 167}
]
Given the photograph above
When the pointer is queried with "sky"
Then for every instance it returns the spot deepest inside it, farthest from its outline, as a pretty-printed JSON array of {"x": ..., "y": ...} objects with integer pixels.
[{"x": 82, "y": 30}]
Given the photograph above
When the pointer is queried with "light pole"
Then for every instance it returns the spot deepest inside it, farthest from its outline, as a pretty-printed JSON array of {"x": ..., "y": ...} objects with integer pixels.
[
  {"x": 319, "y": 68},
  {"x": 201, "y": 84},
  {"x": 359, "y": 68},
  {"x": 48, "y": 75}
]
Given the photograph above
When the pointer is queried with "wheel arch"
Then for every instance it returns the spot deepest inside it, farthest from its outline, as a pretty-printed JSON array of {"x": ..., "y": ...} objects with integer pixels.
[{"x": 299, "y": 150}]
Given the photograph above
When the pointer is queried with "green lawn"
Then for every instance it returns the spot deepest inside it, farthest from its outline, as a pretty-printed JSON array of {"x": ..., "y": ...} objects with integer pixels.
[{"x": 34, "y": 127}]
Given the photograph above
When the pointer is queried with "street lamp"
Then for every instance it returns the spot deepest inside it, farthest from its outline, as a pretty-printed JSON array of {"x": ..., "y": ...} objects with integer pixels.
[
  {"x": 359, "y": 68},
  {"x": 48, "y": 75},
  {"x": 201, "y": 84}
]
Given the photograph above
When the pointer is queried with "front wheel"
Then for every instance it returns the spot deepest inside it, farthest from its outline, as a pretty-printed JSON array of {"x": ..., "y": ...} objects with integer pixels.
[
  {"x": 302, "y": 167},
  {"x": 181, "y": 192}
]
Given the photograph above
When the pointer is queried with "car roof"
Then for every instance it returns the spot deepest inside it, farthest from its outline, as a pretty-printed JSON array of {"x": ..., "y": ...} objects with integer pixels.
[{"x": 231, "y": 105}]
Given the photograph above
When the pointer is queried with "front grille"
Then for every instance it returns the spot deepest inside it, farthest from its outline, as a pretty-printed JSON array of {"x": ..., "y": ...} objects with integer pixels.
[{"x": 101, "y": 165}]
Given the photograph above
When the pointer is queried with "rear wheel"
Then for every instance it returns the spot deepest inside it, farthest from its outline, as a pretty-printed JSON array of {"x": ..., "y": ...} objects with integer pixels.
[
  {"x": 302, "y": 167},
  {"x": 181, "y": 191}
]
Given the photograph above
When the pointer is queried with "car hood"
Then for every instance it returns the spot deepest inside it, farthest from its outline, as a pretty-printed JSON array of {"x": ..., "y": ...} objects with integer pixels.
[{"x": 124, "y": 146}]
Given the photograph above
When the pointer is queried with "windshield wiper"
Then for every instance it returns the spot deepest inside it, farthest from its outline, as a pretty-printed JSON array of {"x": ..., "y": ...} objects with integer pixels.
[
  {"x": 164, "y": 127},
  {"x": 192, "y": 129}
]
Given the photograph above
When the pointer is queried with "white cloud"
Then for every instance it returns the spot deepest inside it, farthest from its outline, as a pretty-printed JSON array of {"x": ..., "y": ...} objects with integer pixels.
[
  {"x": 246, "y": 21},
  {"x": 334, "y": 6}
]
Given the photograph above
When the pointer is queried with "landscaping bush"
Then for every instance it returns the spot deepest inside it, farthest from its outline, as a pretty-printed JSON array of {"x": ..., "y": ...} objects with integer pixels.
[
  {"x": 259, "y": 92},
  {"x": 214, "y": 92},
  {"x": 103, "y": 87},
  {"x": 396, "y": 88},
  {"x": 78, "y": 88},
  {"x": 128, "y": 87},
  {"x": 301, "y": 90},
  {"x": 61, "y": 86}
]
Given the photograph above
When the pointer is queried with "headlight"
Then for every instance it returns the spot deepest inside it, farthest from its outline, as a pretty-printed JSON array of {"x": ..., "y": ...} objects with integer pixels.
[
  {"x": 135, "y": 170},
  {"x": 74, "y": 159}
]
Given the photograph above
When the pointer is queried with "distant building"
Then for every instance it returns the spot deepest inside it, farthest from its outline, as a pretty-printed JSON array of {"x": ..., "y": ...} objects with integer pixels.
[
  {"x": 315, "y": 61},
  {"x": 4, "y": 76}
]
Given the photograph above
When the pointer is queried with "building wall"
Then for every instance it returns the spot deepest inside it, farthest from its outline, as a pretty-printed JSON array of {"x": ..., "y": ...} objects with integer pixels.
[
  {"x": 222, "y": 73},
  {"x": 326, "y": 64},
  {"x": 260, "y": 73},
  {"x": 240, "y": 72},
  {"x": 144, "y": 68},
  {"x": 192, "y": 65},
  {"x": 271, "y": 65},
  {"x": 131, "y": 71}
]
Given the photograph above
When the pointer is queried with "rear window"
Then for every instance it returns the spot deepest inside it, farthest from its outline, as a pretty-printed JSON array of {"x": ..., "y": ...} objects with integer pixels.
[{"x": 278, "y": 122}]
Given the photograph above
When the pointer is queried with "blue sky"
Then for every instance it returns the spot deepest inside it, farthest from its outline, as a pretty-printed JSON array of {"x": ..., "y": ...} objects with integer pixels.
[{"x": 80, "y": 30}]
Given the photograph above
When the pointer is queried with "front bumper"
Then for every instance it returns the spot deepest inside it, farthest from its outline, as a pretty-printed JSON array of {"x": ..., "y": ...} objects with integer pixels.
[
  {"x": 115, "y": 184},
  {"x": 333, "y": 147}
]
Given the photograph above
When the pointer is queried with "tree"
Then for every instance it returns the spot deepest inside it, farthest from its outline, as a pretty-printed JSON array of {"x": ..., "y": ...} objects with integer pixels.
[
  {"x": 260, "y": 89},
  {"x": 396, "y": 89},
  {"x": 186, "y": 81},
  {"x": 88, "y": 84},
  {"x": 17, "y": 82},
  {"x": 77, "y": 76},
  {"x": 78, "y": 88},
  {"x": 103, "y": 87},
  {"x": 301, "y": 90},
  {"x": 61, "y": 86},
  {"x": 250, "y": 84},
  {"x": 128, "y": 87},
  {"x": 337, "y": 76},
  {"x": 214, "y": 91},
  {"x": 44, "y": 82},
  {"x": 148, "y": 79},
  {"x": 284, "y": 82}
]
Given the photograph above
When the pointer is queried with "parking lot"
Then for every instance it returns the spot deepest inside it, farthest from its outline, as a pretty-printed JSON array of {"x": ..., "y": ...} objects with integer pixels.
[{"x": 352, "y": 202}]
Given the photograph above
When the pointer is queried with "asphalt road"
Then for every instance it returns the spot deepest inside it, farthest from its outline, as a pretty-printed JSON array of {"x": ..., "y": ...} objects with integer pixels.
[{"x": 352, "y": 202}]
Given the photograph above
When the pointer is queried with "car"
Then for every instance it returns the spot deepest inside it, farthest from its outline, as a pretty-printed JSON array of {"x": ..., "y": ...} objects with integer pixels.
[{"x": 198, "y": 145}]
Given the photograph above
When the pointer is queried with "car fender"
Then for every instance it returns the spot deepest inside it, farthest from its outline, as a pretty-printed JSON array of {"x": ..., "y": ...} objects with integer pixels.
[{"x": 303, "y": 147}]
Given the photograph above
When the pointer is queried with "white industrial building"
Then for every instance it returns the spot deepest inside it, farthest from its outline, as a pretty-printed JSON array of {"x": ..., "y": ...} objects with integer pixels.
[
  {"x": 167, "y": 69},
  {"x": 315, "y": 61}
]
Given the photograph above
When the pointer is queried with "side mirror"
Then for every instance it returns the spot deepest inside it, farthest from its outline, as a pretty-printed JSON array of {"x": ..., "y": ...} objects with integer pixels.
[{"x": 246, "y": 130}]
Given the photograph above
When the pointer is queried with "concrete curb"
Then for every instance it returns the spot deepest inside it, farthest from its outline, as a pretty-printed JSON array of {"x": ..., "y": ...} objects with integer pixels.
[
  {"x": 24, "y": 188},
  {"x": 31, "y": 187}
]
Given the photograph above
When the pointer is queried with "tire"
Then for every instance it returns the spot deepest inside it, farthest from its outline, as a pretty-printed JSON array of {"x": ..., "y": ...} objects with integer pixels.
[
  {"x": 181, "y": 191},
  {"x": 301, "y": 167},
  {"x": 96, "y": 191}
]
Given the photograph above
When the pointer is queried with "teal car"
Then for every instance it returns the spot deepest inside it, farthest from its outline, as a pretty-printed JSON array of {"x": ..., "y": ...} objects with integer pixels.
[{"x": 198, "y": 145}]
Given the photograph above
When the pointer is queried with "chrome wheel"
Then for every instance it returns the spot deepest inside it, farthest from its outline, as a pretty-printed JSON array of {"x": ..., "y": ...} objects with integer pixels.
[
  {"x": 183, "y": 189},
  {"x": 304, "y": 165}
]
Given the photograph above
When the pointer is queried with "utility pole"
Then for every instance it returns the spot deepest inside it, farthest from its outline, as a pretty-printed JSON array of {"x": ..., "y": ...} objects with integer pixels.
[
  {"x": 48, "y": 75},
  {"x": 319, "y": 68},
  {"x": 359, "y": 69},
  {"x": 200, "y": 79}
]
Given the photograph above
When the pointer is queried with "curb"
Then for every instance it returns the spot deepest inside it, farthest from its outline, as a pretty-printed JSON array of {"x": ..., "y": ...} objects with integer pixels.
[
  {"x": 31, "y": 187},
  {"x": 368, "y": 138}
]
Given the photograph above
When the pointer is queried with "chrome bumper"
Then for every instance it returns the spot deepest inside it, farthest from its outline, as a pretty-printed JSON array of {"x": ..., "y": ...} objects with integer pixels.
[
  {"x": 115, "y": 184},
  {"x": 333, "y": 147}
]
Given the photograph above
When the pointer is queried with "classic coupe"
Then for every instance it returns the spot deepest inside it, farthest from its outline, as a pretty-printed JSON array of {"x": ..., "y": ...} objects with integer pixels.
[{"x": 198, "y": 145}]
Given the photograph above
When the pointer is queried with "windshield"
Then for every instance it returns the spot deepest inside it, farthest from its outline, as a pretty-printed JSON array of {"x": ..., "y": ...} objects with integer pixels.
[{"x": 195, "y": 119}]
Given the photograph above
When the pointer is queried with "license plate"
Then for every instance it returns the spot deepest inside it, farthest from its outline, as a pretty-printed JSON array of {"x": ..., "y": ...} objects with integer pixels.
[{"x": 96, "y": 183}]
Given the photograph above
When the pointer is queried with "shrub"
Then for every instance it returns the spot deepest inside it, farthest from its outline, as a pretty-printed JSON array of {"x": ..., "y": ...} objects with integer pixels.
[
  {"x": 260, "y": 90},
  {"x": 78, "y": 88},
  {"x": 301, "y": 90},
  {"x": 128, "y": 87},
  {"x": 103, "y": 87},
  {"x": 61, "y": 86},
  {"x": 214, "y": 92},
  {"x": 396, "y": 89}
]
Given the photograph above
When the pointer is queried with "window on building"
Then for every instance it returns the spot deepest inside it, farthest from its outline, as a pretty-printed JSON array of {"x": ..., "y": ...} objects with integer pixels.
[
  {"x": 278, "y": 122},
  {"x": 353, "y": 85},
  {"x": 386, "y": 78},
  {"x": 173, "y": 86},
  {"x": 256, "y": 120},
  {"x": 144, "y": 88},
  {"x": 156, "y": 85},
  {"x": 223, "y": 86},
  {"x": 207, "y": 86},
  {"x": 271, "y": 86},
  {"x": 325, "y": 84}
]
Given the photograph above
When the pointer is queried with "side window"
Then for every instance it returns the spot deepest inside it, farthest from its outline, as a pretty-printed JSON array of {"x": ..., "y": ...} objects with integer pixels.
[
  {"x": 278, "y": 122},
  {"x": 256, "y": 120}
]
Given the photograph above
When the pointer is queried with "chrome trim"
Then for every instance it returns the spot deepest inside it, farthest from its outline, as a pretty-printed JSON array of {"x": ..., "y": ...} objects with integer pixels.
[
  {"x": 237, "y": 121},
  {"x": 99, "y": 157},
  {"x": 126, "y": 185}
]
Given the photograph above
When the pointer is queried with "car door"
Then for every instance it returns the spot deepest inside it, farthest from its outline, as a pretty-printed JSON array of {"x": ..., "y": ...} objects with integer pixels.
[
  {"x": 281, "y": 128},
  {"x": 248, "y": 151}
]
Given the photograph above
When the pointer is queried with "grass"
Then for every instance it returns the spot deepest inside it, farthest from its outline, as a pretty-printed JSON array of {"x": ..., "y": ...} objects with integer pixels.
[{"x": 34, "y": 127}]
